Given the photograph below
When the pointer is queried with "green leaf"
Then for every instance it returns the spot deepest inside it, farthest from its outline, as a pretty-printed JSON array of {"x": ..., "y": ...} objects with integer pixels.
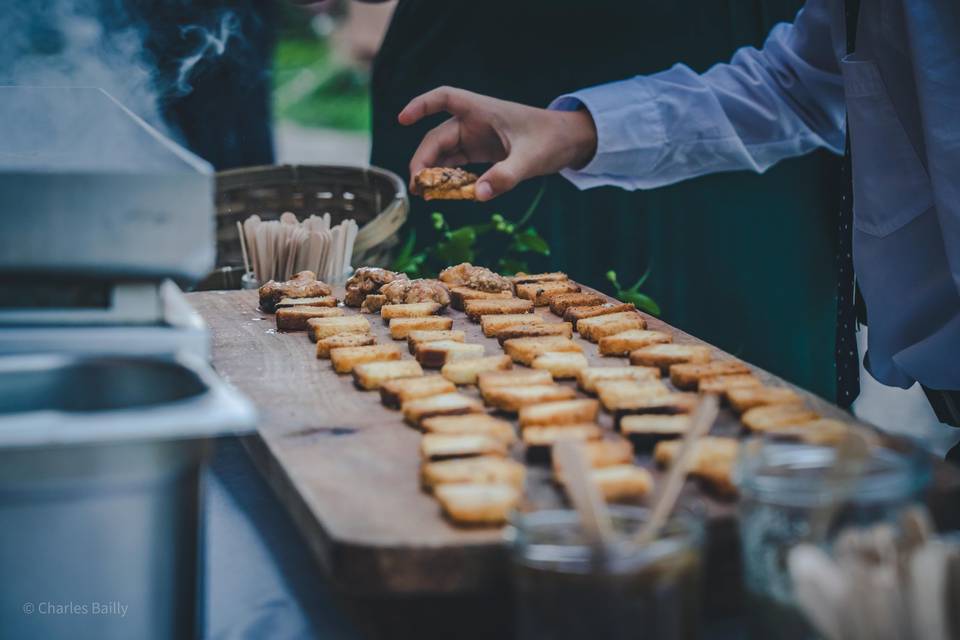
[
  {"x": 529, "y": 241},
  {"x": 533, "y": 205},
  {"x": 642, "y": 301},
  {"x": 612, "y": 278},
  {"x": 438, "y": 221},
  {"x": 643, "y": 278},
  {"x": 458, "y": 247}
]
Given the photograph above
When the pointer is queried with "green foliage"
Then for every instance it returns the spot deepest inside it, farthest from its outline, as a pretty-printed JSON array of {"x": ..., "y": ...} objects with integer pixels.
[
  {"x": 633, "y": 294},
  {"x": 499, "y": 244}
]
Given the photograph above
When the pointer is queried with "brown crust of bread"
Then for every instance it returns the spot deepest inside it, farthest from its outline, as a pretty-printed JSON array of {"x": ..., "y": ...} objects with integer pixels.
[
  {"x": 325, "y": 345},
  {"x": 540, "y": 329},
  {"x": 295, "y": 318},
  {"x": 559, "y": 303},
  {"x": 540, "y": 292},
  {"x": 393, "y": 393},
  {"x": 575, "y": 314},
  {"x": 688, "y": 375},
  {"x": 476, "y": 308},
  {"x": 461, "y": 296},
  {"x": 400, "y": 328}
]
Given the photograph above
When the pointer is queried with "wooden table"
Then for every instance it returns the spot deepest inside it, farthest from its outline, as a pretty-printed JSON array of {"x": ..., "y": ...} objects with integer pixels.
[{"x": 346, "y": 468}]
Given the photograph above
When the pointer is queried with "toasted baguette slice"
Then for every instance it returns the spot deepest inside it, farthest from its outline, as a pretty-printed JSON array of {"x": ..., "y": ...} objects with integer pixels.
[
  {"x": 320, "y": 328},
  {"x": 471, "y": 423},
  {"x": 322, "y": 301},
  {"x": 373, "y": 303},
  {"x": 560, "y": 302},
  {"x": 560, "y": 412},
  {"x": 646, "y": 430},
  {"x": 434, "y": 355},
  {"x": 668, "y": 403},
  {"x": 344, "y": 359},
  {"x": 610, "y": 324},
  {"x": 410, "y": 310},
  {"x": 417, "y": 338},
  {"x": 446, "y": 404},
  {"x": 621, "y": 344},
  {"x": 494, "y": 324},
  {"x": 478, "y": 470},
  {"x": 295, "y": 318},
  {"x": 820, "y": 432},
  {"x": 460, "y": 296},
  {"x": 466, "y": 371},
  {"x": 371, "y": 375},
  {"x": 712, "y": 461},
  {"x": 622, "y": 482},
  {"x": 688, "y": 375},
  {"x": 722, "y": 384},
  {"x": 443, "y": 446},
  {"x": 664, "y": 355},
  {"x": 616, "y": 393},
  {"x": 525, "y": 350},
  {"x": 476, "y": 309},
  {"x": 324, "y": 345},
  {"x": 512, "y": 399},
  {"x": 477, "y": 504},
  {"x": 400, "y": 328},
  {"x": 600, "y": 453},
  {"x": 512, "y": 378},
  {"x": 561, "y": 364},
  {"x": 576, "y": 314},
  {"x": 588, "y": 378},
  {"x": 393, "y": 393},
  {"x": 746, "y": 398},
  {"x": 540, "y": 292},
  {"x": 526, "y": 278},
  {"x": 775, "y": 416},
  {"x": 562, "y": 329},
  {"x": 548, "y": 435}
]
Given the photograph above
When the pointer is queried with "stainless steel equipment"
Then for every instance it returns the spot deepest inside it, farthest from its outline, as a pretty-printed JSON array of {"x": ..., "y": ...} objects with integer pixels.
[{"x": 109, "y": 407}]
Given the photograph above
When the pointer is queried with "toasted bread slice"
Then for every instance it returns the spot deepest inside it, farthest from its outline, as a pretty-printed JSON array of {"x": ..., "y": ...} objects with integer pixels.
[
  {"x": 745, "y": 398},
  {"x": 320, "y": 328},
  {"x": 344, "y": 359},
  {"x": 409, "y": 310},
  {"x": 821, "y": 432},
  {"x": 669, "y": 403},
  {"x": 593, "y": 329},
  {"x": 775, "y": 416},
  {"x": 466, "y": 371},
  {"x": 370, "y": 375},
  {"x": 512, "y": 399},
  {"x": 664, "y": 355},
  {"x": 477, "y": 504},
  {"x": 445, "y": 183},
  {"x": 526, "y": 278},
  {"x": 712, "y": 461},
  {"x": 722, "y": 384},
  {"x": 561, "y": 364},
  {"x": 443, "y": 446},
  {"x": 560, "y": 412},
  {"x": 562, "y": 329},
  {"x": 546, "y": 436},
  {"x": 525, "y": 350},
  {"x": 478, "y": 470},
  {"x": 512, "y": 378},
  {"x": 373, "y": 303},
  {"x": 393, "y": 393},
  {"x": 616, "y": 393},
  {"x": 471, "y": 423},
  {"x": 400, "y": 328},
  {"x": 460, "y": 296},
  {"x": 477, "y": 308},
  {"x": 445, "y": 404},
  {"x": 600, "y": 453},
  {"x": 576, "y": 314},
  {"x": 588, "y": 378},
  {"x": 434, "y": 355},
  {"x": 646, "y": 430},
  {"x": 621, "y": 344},
  {"x": 540, "y": 292},
  {"x": 560, "y": 302},
  {"x": 493, "y": 324},
  {"x": 295, "y": 318},
  {"x": 324, "y": 345},
  {"x": 320, "y": 301},
  {"x": 416, "y": 338},
  {"x": 687, "y": 375},
  {"x": 622, "y": 482}
]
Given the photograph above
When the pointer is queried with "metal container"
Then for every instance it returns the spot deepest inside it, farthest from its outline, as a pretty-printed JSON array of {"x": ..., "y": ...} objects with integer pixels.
[{"x": 100, "y": 461}]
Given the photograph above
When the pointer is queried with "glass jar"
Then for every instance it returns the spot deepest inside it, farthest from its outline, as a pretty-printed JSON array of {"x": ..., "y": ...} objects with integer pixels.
[
  {"x": 782, "y": 486},
  {"x": 564, "y": 589}
]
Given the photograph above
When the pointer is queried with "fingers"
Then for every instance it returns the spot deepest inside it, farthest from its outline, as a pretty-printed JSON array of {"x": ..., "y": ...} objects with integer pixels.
[
  {"x": 441, "y": 141},
  {"x": 503, "y": 176},
  {"x": 453, "y": 101}
]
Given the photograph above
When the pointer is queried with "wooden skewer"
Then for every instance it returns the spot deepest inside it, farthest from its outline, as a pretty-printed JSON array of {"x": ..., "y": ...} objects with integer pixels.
[
  {"x": 243, "y": 248},
  {"x": 703, "y": 418},
  {"x": 586, "y": 498}
]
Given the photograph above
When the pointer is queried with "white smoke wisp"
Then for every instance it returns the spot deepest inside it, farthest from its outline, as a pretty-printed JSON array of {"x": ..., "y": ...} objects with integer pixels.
[{"x": 212, "y": 43}]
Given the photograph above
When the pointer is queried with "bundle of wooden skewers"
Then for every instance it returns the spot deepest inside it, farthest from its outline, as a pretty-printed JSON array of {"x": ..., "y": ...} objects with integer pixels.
[{"x": 276, "y": 249}]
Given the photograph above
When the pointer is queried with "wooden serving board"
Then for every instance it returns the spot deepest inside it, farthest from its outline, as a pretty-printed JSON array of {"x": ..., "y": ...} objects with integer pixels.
[{"x": 346, "y": 468}]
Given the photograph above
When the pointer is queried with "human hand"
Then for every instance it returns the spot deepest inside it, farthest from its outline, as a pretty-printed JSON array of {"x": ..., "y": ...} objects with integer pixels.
[{"x": 521, "y": 141}]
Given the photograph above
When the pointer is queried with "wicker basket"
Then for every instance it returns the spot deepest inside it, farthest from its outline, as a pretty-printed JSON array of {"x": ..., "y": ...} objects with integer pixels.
[{"x": 375, "y": 198}]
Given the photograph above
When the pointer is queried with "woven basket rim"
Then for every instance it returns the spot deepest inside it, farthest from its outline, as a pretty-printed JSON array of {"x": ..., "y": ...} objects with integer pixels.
[{"x": 398, "y": 183}]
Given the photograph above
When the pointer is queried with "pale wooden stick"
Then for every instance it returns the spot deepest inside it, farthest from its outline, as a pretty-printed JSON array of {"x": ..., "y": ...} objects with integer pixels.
[
  {"x": 703, "y": 418},
  {"x": 584, "y": 494},
  {"x": 243, "y": 248}
]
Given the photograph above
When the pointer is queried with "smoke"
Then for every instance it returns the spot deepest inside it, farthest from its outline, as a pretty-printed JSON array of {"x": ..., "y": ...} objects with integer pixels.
[{"x": 212, "y": 43}]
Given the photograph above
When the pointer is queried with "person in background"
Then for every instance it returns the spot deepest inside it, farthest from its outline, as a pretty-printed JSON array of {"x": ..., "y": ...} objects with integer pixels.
[{"x": 889, "y": 70}]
